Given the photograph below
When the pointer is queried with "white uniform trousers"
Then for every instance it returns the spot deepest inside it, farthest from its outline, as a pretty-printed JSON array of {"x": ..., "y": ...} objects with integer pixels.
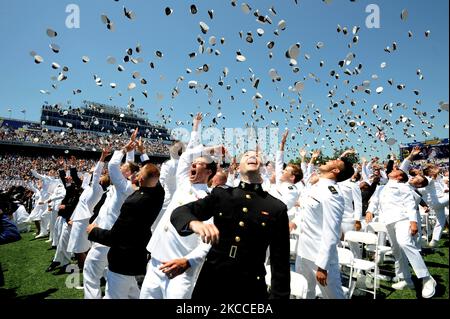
[
  {"x": 45, "y": 222},
  {"x": 62, "y": 255},
  {"x": 57, "y": 229},
  {"x": 37, "y": 212},
  {"x": 78, "y": 241},
  {"x": 53, "y": 216},
  {"x": 440, "y": 222},
  {"x": 333, "y": 289},
  {"x": 404, "y": 249},
  {"x": 94, "y": 269},
  {"x": 157, "y": 285},
  {"x": 121, "y": 286}
]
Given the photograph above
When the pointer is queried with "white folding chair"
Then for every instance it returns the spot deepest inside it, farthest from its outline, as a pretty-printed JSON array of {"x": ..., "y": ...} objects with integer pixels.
[
  {"x": 424, "y": 225},
  {"x": 293, "y": 242},
  {"x": 379, "y": 229},
  {"x": 363, "y": 264},
  {"x": 299, "y": 285},
  {"x": 346, "y": 260}
]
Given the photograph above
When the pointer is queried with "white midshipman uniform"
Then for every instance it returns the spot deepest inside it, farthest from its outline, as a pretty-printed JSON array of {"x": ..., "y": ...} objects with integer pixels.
[
  {"x": 96, "y": 260},
  {"x": 287, "y": 192},
  {"x": 352, "y": 210},
  {"x": 167, "y": 179},
  {"x": 437, "y": 200},
  {"x": 396, "y": 207},
  {"x": 56, "y": 222},
  {"x": 166, "y": 244},
  {"x": 78, "y": 241},
  {"x": 319, "y": 222},
  {"x": 41, "y": 214}
]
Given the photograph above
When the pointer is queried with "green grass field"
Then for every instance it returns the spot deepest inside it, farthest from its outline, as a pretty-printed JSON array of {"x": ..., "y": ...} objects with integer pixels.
[{"x": 24, "y": 263}]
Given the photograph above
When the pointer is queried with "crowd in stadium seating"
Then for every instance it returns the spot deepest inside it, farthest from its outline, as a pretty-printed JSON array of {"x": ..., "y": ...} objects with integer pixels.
[
  {"x": 15, "y": 169},
  {"x": 75, "y": 140}
]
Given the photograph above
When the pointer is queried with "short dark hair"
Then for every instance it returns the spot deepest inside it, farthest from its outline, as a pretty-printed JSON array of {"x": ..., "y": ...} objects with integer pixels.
[
  {"x": 427, "y": 169},
  {"x": 133, "y": 167},
  {"x": 297, "y": 172},
  {"x": 424, "y": 182},
  {"x": 150, "y": 170},
  {"x": 346, "y": 172},
  {"x": 414, "y": 172},
  {"x": 213, "y": 167},
  {"x": 404, "y": 176}
]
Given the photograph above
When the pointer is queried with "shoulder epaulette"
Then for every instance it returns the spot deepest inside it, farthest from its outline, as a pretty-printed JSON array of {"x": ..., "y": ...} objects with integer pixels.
[{"x": 332, "y": 189}]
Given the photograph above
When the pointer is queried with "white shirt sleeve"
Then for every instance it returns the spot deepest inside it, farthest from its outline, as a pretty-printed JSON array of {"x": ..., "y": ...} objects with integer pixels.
[
  {"x": 130, "y": 156},
  {"x": 97, "y": 172},
  {"x": 409, "y": 203},
  {"x": 164, "y": 173},
  {"x": 86, "y": 180},
  {"x": 303, "y": 166},
  {"x": 36, "y": 174},
  {"x": 230, "y": 180},
  {"x": 194, "y": 141},
  {"x": 357, "y": 202},
  {"x": 333, "y": 208},
  {"x": 121, "y": 183},
  {"x": 309, "y": 171},
  {"x": 374, "y": 202},
  {"x": 278, "y": 166},
  {"x": 365, "y": 172},
  {"x": 144, "y": 157},
  {"x": 405, "y": 165},
  {"x": 197, "y": 256}
]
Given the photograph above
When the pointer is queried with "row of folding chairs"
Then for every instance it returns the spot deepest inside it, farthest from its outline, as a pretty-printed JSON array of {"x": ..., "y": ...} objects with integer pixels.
[{"x": 371, "y": 241}]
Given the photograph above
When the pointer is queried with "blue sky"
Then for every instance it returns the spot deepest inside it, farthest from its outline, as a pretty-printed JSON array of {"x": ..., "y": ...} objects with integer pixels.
[{"x": 23, "y": 26}]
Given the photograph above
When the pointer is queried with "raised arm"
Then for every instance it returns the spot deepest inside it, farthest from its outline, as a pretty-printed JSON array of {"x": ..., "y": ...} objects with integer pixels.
[
  {"x": 33, "y": 187},
  {"x": 406, "y": 164},
  {"x": 185, "y": 162},
  {"x": 310, "y": 167},
  {"x": 117, "y": 179},
  {"x": 130, "y": 150},
  {"x": 99, "y": 166},
  {"x": 279, "y": 158},
  {"x": 364, "y": 171},
  {"x": 302, "y": 153},
  {"x": 315, "y": 155},
  {"x": 141, "y": 148},
  {"x": 37, "y": 175},
  {"x": 194, "y": 141}
]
